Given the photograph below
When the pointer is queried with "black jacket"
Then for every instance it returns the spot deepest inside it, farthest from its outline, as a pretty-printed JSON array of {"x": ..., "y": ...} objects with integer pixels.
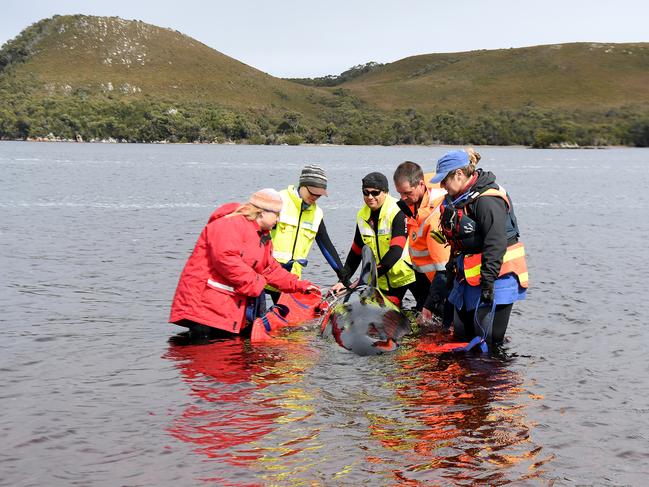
[{"x": 491, "y": 216}]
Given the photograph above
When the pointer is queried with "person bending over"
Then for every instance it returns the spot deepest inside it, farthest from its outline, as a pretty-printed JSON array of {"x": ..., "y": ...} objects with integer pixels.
[{"x": 222, "y": 284}]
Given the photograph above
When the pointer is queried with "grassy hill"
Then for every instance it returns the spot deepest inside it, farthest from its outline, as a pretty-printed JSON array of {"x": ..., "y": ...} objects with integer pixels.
[
  {"x": 104, "y": 77},
  {"x": 580, "y": 76},
  {"x": 110, "y": 56}
]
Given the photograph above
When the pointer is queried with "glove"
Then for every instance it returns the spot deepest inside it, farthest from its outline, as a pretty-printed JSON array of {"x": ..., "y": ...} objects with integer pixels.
[
  {"x": 487, "y": 293},
  {"x": 450, "y": 280},
  {"x": 343, "y": 276},
  {"x": 438, "y": 236},
  {"x": 450, "y": 274}
]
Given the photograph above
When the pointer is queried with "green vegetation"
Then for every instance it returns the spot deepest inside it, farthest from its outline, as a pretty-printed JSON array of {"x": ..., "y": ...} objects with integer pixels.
[
  {"x": 77, "y": 116},
  {"x": 97, "y": 78},
  {"x": 335, "y": 80},
  {"x": 564, "y": 77}
]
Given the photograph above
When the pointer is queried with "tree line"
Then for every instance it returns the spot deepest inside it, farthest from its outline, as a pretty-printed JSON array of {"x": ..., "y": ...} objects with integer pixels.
[{"x": 346, "y": 120}]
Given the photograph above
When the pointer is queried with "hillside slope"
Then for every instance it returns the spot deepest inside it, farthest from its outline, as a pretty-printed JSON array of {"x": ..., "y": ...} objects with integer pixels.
[
  {"x": 579, "y": 76},
  {"x": 76, "y": 54},
  {"x": 103, "y": 78}
]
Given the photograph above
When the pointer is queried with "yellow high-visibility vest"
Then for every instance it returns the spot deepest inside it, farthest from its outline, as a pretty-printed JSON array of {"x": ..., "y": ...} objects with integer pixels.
[
  {"x": 296, "y": 230},
  {"x": 400, "y": 274}
]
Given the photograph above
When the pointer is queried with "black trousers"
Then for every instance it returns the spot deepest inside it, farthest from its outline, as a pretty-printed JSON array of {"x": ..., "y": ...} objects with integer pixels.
[
  {"x": 198, "y": 330},
  {"x": 274, "y": 295},
  {"x": 465, "y": 328},
  {"x": 419, "y": 289}
]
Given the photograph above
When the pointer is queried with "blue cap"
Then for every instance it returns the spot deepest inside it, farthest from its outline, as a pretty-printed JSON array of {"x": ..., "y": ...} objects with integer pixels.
[{"x": 450, "y": 161}]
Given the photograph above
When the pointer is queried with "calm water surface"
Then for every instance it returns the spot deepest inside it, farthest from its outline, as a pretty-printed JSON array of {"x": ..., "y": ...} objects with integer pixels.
[{"x": 98, "y": 390}]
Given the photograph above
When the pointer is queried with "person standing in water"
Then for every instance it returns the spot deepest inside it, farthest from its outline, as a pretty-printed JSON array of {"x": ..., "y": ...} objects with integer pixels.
[
  {"x": 487, "y": 268},
  {"x": 420, "y": 203},
  {"x": 301, "y": 222},
  {"x": 381, "y": 225},
  {"x": 221, "y": 287}
]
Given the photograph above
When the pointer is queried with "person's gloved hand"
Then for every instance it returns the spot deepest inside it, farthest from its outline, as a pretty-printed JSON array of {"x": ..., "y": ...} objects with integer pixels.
[
  {"x": 343, "y": 277},
  {"x": 437, "y": 294},
  {"x": 450, "y": 281},
  {"x": 450, "y": 274},
  {"x": 487, "y": 293}
]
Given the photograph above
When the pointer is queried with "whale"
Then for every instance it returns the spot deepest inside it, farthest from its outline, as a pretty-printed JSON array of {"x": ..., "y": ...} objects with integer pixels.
[{"x": 361, "y": 319}]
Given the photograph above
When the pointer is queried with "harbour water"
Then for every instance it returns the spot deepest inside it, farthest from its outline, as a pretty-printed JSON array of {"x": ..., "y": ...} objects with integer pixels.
[{"x": 98, "y": 390}]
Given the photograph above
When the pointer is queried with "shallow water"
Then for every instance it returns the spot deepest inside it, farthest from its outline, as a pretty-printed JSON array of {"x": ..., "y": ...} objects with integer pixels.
[{"x": 99, "y": 390}]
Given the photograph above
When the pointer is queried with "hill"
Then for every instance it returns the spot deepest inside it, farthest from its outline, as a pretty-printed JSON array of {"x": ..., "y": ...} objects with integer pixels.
[
  {"x": 94, "y": 78},
  {"x": 112, "y": 56},
  {"x": 579, "y": 76}
]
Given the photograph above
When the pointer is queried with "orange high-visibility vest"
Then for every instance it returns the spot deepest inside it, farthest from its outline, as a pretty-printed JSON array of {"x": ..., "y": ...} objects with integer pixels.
[
  {"x": 513, "y": 262},
  {"x": 426, "y": 254}
]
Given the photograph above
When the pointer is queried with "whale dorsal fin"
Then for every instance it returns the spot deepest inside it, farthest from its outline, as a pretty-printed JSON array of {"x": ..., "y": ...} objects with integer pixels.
[{"x": 368, "y": 276}]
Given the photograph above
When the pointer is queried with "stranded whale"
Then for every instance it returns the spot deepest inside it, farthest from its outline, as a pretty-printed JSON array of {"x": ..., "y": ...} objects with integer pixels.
[{"x": 363, "y": 320}]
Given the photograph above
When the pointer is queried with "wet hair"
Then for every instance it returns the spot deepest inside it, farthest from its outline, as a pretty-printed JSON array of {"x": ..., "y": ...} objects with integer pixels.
[
  {"x": 248, "y": 210},
  {"x": 408, "y": 171}
]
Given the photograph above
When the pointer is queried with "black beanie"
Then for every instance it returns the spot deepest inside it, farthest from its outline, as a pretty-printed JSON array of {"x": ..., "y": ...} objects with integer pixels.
[{"x": 376, "y": 180}]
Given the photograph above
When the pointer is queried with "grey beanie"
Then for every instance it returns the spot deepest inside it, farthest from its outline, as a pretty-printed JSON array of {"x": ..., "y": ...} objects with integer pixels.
[{"x": 314, "y": 177}]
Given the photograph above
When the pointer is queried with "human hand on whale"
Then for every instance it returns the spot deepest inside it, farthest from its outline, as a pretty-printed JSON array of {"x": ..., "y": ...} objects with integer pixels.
[{"x": 339, "y": 288}]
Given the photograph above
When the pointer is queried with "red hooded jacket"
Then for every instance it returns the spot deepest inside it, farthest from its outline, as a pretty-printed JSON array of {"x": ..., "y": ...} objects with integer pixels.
[{"x": 231, "y": 262}]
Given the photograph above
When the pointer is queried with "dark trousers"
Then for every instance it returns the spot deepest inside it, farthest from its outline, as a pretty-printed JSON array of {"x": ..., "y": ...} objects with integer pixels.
[
  {"x": 419, "y": 289},
  {"x": 397, "y": 292},
  {"x": 274, "y": 295},
  {"x": 199, "y": 331},
  {"x": 465, "y": 328}
]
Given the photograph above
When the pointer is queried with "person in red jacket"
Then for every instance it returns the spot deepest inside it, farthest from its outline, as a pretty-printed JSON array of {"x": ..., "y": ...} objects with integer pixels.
[{"x": 222, "y": 284}]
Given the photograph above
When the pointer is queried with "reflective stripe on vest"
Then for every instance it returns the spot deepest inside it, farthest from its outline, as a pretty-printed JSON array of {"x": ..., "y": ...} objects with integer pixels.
[
  {"x": 429, "y": 268},
  {"x": 400, "y": 274},
  {"x": 219, "y": 285},
  {"x": 296, "y": 229},
  {"x": 513, "y": 262},
  {"x": 282, "y": 257}
]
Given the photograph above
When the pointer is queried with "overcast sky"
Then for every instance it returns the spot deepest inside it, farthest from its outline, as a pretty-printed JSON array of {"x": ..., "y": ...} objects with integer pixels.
[{"x": 303, "y": 38}]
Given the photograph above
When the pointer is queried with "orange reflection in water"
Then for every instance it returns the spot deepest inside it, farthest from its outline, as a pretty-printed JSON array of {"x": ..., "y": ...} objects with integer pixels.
[
  {"x": 465, "y": 422},
  {"x": 448, "y": 420}
]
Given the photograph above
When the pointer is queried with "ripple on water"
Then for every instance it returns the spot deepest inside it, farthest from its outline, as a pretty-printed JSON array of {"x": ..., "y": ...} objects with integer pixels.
[{"x": 93, "y": 394}]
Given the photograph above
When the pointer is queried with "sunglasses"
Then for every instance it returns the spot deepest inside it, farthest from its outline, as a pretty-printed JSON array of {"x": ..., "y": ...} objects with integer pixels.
[
  {"x": 372, "y": 192},
  {"x": 312, "y": 193}
]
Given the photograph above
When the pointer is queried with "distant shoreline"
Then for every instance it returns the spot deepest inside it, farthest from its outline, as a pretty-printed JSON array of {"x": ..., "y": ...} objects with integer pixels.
[{"x": 113, "y": 141}]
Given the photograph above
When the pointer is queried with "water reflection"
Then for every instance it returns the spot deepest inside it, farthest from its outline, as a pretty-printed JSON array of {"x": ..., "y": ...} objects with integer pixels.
[
  {"x": 220, "y": 373},
  {"x": 466, "y": 420},
  {"x": 277, "y": 415},
  {"x": 231, "y": 413}
]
